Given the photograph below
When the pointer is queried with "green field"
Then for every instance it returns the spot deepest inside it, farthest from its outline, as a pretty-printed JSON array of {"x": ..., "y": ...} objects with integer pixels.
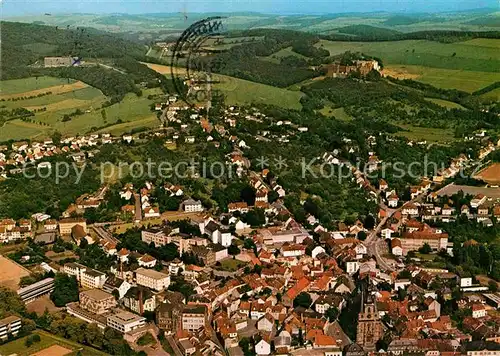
[
  {"x": 468, "y": 81},
  {"x": 338, "y": 113},
  {"x": 493, "y": 95},
  {"x": 22, "y": 85},
  {"x": 426, "y": 134},
  {"x": 285, "y": 52},
  {"x": 131, "y": 113},
  {"x": 240, "y": 91},
  {"x": 18, "y": 346}
]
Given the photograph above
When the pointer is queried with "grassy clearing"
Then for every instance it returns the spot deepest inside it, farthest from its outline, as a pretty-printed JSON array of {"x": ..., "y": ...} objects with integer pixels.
[
  {"x": 445, "y": 103},
  {"x": 338, "y": 113},
  {"x": 468, "y": 81},
  {"x": 426, "y": 134},
  {"x": 231, "y": 265},
  {"x": 285, "y": 52},
  {"x": 18, "y": 346}
]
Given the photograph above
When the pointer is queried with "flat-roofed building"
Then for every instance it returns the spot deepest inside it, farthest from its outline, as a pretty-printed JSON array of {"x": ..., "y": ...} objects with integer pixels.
[
  {"x": 194, "y": 317},
  {"x": 92, "y": 279},
  {"x": 50, "y": 62},
  {"x": 158, "y": 236},
  {"x": 125, "y": 321},
  {"x": 9, "y": 325},
  {"x": 36, "y": 290},
  {"x": 152, "y": 279},
  {"x": 97, "y": 301},
  {"x": 414, "y": 240}
]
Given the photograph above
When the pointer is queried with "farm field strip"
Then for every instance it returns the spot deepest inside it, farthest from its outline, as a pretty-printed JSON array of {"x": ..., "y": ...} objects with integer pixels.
[{"x": 58, "y": 89}]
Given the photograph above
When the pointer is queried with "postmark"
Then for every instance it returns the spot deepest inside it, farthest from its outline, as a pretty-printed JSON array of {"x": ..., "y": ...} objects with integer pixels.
[{"x": 192, "y": 51}]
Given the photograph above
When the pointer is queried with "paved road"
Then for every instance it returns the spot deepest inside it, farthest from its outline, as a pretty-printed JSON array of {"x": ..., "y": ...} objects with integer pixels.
[
  {"x": 103, "y": 234},
  {"x": 174, "y": 346}
]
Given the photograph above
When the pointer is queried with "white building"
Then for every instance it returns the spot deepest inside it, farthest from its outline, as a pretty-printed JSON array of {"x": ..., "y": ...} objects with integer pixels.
[
  {"x": 125, "y": 321},
  {"x": 192, "y": 206},
  {"x": 152, "y": 279},
  {"x": 9, "y": 325}
]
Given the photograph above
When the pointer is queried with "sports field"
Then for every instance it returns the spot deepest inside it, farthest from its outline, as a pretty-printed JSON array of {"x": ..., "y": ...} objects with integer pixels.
[
  {"x": 11, "y": 273},
  {"x": 64, "y": 99},
  {"x": 49, "y": 345},
  {"x": 490, "y": 174},
  {"x": 468, "y": 65}
]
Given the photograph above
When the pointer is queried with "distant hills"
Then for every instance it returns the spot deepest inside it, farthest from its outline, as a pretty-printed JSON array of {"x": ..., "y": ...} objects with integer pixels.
[{"x": 173, "y": 23}]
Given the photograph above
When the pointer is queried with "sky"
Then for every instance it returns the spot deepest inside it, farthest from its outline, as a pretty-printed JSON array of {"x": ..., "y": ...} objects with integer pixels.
[{"x": 35, "y": 7}]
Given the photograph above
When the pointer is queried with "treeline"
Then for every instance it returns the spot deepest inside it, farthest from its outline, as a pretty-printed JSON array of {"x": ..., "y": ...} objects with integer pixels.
[
  {"x": 26, "y": 44},
  {"x": 378, "y": 100},
  {"x": 111, "y": 82},
  {"x": 375, "y": 34},
  {"x": 487, "y": 89},
  {"x": 244, "y": 61}
]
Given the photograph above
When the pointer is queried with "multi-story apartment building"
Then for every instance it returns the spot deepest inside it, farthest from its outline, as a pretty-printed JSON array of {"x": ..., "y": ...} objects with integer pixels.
[
  {"x": 9, "y": 325},
  {"x": 158, "y": 236},
  {"x": 125, "y": 321},
  {"x": 194, "y": 317},
  {"x": 152, "y": 279},
  {"x": 87, "y": 277},
  {"x": 414, "y": 240},
  {"x": 92, "y": 279},
  {"x": 97, "y": 301}
]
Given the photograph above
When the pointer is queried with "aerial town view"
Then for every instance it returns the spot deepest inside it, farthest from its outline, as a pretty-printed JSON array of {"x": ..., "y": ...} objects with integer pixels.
[{"x": 250, "y": 177}]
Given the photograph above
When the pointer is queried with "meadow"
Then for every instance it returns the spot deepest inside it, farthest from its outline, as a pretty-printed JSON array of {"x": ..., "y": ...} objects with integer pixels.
[
  {"x": 131, "y": 113},
  {"x": 240, "y": 91}
]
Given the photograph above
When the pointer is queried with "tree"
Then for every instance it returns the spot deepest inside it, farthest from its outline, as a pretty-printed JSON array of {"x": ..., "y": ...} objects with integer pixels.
[
  {"x": 233, "y": 250},
  {"x": 425, "y": 249},
  {"x": 369, "y": 222},
  {"x": 332, "y": 314},
  {"x": 493, "y": 286},
  {"x": 361, "y": 235},
  {"x": 65, "y": 290},
  {"x": 302, "y": 300}
]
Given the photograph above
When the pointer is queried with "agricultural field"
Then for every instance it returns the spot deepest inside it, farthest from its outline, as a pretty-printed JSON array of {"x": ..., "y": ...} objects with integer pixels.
[
  {"x": 49, "y": 345},
  {"x": 52, "y": 98},
  {"x": 468, "y": 65},
  {"x": 468, "y": 81},
  {"x": 240, "y": 91}
]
